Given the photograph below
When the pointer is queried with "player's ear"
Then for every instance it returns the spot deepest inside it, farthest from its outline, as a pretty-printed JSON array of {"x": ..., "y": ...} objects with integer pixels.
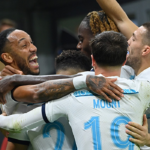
[
  {"x": 7, "y": 58},
  {"x": 146, "y": 50},
  {"x": 93, "y": 60}
]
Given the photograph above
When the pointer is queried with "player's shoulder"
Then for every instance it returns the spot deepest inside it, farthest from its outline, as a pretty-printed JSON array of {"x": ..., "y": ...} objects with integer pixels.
[
  {"x": 87, "y": 73},
  {"x": 127, "y": 72},
  {"x": 81, "y": 93},
  {"x": 136, "y": 85}
]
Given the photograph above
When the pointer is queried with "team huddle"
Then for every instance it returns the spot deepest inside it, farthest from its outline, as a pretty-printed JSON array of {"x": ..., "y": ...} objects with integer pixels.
[{"x": 79, "y": 108}]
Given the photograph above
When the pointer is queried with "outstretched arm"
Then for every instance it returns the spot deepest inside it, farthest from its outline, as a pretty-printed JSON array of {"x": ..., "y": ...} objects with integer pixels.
[
  {"x": 117, "y": 14},
  {"x": 18, "y": 122},
  {"x": 55, "y": 89},
  {"x": 140, "y": 133}
]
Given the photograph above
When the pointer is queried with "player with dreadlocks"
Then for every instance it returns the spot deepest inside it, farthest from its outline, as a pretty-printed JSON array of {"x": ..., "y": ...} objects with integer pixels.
[
  {"x": 94, "y": 23},
  {"x": 97, "y": 22}
]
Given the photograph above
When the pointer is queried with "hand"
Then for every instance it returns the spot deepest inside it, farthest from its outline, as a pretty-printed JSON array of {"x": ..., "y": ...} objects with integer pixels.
[
  {"x": 140, "y": 133},
  {"x": 8, "y": 70},
  {"x": 103, "y": 86}
]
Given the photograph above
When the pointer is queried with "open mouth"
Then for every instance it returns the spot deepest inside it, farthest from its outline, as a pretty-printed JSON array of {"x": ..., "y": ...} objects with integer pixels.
[{"x": 33, "y": 61}]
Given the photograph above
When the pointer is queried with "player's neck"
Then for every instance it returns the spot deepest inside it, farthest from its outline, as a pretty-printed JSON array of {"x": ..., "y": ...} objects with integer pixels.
[
  {"x": 144, "y": 65},
  {"x": 108, "y": 71}
]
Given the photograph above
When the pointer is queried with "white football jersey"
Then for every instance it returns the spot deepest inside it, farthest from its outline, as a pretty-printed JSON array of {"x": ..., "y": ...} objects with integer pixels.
[
  {"x": 44, "y": 137},
  {"x": 127, "y": 72},
  {"x": 98, "y": 124},
  {"x": 145, "y": 75},
  {"x": 57, "y": 135},
  {"x": 14, "y": 107}
]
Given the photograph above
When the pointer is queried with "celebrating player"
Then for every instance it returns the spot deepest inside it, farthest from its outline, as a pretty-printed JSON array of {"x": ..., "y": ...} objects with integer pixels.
[
  {"x": 139, "y": 60},
  {"x": 93, "y": 119},
  {"x": 18, "y": 51}
]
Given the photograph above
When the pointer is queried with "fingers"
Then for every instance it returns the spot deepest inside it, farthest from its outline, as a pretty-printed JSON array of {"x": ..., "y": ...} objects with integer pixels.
[
  {"x": 116, "y": 91},
  {"x": 5, "y": 72},
  {"x": 145, "y": 120},
  {"x": 132, "y": 125},
  {"x": 8, "y": 70},
  {"x": 111, "y": 94},
  {"x": 133, "y": 131},
  {"x": 140, "y": 133},
  {"x": 136, "y": 141},
  {"x": 105, "y": 96},
  {"x": 13, "y": 70},
  {"x": 116, "y": 87},
  {"x": 133, "y": 134}
]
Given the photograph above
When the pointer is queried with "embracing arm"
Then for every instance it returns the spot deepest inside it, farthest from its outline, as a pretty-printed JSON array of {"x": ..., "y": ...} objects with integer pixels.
[
  {"x": 55, "y": 89},
  {"x": 10, "y": 82},
  {"x": 117, "y": 14},
  {"x": 43, "y": 92},
  {"x": 17, "y": 80},
  {"x": 17, "y": 122}
]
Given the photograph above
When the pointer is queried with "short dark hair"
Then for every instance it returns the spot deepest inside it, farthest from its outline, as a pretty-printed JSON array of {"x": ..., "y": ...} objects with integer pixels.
[
  {"x": 109, "y": 48},
  {"x": 146, "y": 40},
  {"x": 3, "y": 39},
  {"x": 8, "y": 22},
  {"x": 72, "y": 59}
]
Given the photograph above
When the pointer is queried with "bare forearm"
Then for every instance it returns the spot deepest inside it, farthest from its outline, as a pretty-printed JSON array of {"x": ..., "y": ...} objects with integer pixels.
[
  {"x": 29, "y": 79},
  {"x": 117, "y": 14},
  {"x": 111, "y": 7},
  {"x": 53, "y": 89},
  {"x": 9, "y": 82}
]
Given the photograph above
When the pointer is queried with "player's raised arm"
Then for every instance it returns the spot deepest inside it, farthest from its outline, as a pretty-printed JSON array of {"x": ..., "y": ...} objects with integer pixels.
[
  {"x": 117, "y": 14},
  {"x": 55, "y": 89}
]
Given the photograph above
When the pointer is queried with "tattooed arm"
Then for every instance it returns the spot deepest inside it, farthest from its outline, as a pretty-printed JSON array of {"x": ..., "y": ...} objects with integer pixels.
[
  {"x": 44, "y": 92},
  {"x": 55, "y": 89},
  {"x": 10, "y": 82}
]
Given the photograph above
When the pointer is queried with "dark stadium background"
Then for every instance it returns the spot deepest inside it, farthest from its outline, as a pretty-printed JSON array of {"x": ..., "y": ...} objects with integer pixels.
[{"x": 53, "y": 24}]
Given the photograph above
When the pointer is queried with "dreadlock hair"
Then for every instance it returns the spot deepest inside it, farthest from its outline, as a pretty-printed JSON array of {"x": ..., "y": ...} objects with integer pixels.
[
  {"x": 3, "y": 39},
  {"x": 99, "y": 22},
  {"x": 72, "y": 59}
]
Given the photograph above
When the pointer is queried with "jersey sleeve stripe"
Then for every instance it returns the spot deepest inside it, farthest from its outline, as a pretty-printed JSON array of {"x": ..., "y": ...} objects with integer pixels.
[
  {"x": 18, "y": 141},
  {"x": 44, "y": 114},
  {"x": 12, "y": 94}
]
